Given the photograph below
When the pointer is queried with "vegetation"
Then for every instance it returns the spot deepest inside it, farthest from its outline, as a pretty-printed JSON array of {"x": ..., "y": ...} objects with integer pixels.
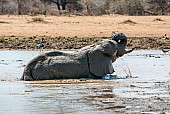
[
  {"x": 130, "y": 7},
  {"x": 30, "y": 43},
  {"x": 4, "y": 22},
  {"x": 38, "y": 19},
  {"x": 85, "y": 7},
  {"x": 158, "y": 19},
  {"x": 159, "y": 5}
]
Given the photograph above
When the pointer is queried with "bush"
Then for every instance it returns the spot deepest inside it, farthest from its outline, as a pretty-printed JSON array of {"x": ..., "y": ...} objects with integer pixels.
[
  {"x": 128, "y": 22},
  {"x": 134, "y": 7},
  {"x": 130, "y": 7},
  {"x": 83, "y": 7},
  {"x": 2, "y": 40},
  {"x": 37, "y": 19}
]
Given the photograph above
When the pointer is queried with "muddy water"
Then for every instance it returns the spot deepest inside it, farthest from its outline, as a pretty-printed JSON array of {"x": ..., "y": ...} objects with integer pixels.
[{"x": 147, "y": 91}]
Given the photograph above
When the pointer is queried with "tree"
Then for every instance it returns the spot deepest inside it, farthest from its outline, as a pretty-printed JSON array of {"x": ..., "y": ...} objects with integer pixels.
[
  {"x": 86, "y": 2},
  {"x": 3, "y": 4},
  {"x": 158, "y": 5},
  {"x": 65, "y": 5},
  {"x": 134, "y": 7},
  {"x": 61, "y": 4},
  {"x": 19, "y": 3},
  {"x": 130, "y": 7},
  {"x": 75, "y": 5}
]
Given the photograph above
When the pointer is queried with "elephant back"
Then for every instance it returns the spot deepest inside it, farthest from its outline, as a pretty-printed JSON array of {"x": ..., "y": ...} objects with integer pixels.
[{"x": 60, "y": 65}]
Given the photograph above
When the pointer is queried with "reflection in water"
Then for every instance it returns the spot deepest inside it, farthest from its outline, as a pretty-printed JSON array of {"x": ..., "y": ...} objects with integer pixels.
[{"x": 76, "y": 97}]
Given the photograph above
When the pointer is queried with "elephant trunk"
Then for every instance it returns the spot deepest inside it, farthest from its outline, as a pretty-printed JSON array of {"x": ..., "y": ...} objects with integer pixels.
[{"x": 129, "y": 51}]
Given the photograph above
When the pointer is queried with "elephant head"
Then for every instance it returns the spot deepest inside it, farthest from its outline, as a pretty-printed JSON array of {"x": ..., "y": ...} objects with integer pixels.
[
  {"x": 121, "y": 40},
  {"x": 101, "y": 57}
]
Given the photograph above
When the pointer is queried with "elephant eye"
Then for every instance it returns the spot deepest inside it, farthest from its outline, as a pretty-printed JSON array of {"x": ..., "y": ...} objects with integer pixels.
[{"x": 119, "y": 41}]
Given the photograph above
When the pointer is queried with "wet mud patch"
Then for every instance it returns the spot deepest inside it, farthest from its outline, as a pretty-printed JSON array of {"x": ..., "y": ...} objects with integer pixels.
[
  {"x": 69, "y": 81},
  {"x": 112, "y": 108},
  {"x": 74, "y": 43},
  {"x": 141, "y": 97},
  {"x": 101, "y": 97}
]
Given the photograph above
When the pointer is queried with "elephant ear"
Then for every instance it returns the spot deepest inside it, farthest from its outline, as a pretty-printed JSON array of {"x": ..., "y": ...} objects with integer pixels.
[{"x": 100, "y": 63}]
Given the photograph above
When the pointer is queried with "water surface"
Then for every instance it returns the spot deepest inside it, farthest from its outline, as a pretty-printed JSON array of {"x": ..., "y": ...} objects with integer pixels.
[{"x": 151, "y": 70}]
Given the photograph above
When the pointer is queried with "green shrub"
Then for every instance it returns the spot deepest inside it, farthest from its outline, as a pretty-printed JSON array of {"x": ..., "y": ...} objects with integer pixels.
[
  {"x": 2, "y": 40},
  {"x": 37, "y": 19}
]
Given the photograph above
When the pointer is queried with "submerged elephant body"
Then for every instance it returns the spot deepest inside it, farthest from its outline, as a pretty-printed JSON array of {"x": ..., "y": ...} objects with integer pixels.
[
  {"x": 92, "y": 61},
  {"x": 57, "y": 65}
]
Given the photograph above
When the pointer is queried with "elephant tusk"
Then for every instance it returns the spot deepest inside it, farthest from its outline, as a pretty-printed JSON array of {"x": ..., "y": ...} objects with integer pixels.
[{"x": 129, "y": 51}]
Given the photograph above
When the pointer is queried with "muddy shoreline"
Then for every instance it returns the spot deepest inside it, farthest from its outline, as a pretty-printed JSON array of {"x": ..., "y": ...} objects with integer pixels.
[{"x": 72, "y": 43}]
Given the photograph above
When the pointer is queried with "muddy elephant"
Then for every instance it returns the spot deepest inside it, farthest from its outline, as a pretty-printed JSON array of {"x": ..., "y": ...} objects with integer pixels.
[{"x": 93, "y": 61}]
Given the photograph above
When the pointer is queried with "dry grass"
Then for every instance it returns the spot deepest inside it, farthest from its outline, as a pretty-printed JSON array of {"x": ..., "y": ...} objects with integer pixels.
[
  {"x": 84, "y": 26},
  {"x": 128, "y": 22},
  {"x": 4, "y": 22}
]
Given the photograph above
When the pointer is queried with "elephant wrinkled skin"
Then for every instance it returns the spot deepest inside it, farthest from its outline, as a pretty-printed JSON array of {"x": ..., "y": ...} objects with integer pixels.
[{"x": 92, "y": 61}]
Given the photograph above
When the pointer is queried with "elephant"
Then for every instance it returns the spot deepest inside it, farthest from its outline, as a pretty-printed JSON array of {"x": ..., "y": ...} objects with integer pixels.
[{"x": 93, "y": 61}]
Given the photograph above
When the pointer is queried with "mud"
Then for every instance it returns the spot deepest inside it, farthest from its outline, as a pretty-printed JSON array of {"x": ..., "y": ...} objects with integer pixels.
[
  {"x": 147, "y": 91},
  {"x": 68, "y": 43}
]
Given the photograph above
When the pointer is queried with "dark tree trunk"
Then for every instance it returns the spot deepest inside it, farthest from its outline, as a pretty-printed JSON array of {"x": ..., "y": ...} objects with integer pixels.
[
  {"x": 63, "y": 4},
  {"x": 19, "y": 7},
  {"x": 58, "y": 5}
]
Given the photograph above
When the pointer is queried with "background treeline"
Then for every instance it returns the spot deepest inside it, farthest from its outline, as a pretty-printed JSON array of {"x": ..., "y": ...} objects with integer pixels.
[{"x": 85, "y": 7}]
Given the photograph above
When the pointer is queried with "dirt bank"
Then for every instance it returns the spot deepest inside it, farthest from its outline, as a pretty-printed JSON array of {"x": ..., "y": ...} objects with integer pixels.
[
  {"x": 24, "y": 32},
  {"x": 84, "y": 26},
  {"x": 64, "y": 43}
]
